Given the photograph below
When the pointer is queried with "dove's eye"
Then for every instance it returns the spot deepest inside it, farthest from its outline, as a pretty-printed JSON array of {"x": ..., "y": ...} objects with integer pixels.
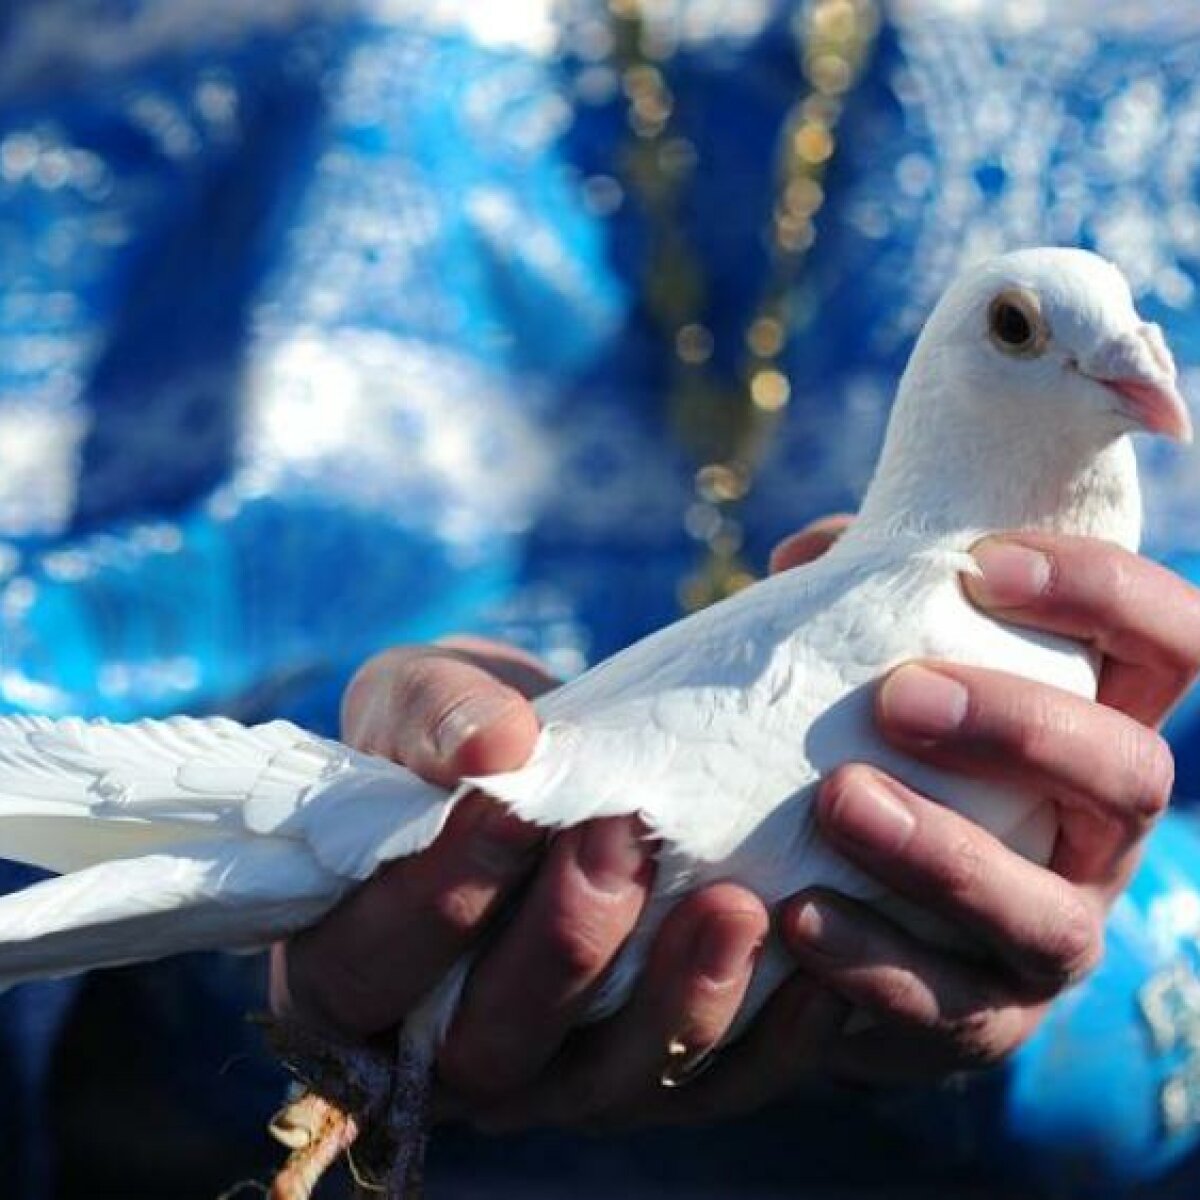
[{"x": 1015, "y": 324}]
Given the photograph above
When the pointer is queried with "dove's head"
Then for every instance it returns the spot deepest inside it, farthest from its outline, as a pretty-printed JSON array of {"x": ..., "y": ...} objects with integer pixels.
[
  {"x": 1013, "y": 411},
  {"x": 1053, "y": 336}
]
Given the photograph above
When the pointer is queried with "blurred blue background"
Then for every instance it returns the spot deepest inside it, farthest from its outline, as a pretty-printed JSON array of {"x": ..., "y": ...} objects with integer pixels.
[{"x": 325, "y": 326}]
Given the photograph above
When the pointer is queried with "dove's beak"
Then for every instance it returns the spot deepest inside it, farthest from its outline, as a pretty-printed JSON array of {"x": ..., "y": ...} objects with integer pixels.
[
  {"x": 1156, "y": 406},
  {"x": 1140, "y": 370}
]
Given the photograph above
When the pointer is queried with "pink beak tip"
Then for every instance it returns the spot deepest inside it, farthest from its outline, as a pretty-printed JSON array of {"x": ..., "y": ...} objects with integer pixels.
[{"x": 1157, "y": 407}]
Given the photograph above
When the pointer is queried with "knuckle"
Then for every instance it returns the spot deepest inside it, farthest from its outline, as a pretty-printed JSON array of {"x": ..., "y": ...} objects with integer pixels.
[
  {"x": 1116, "y": 577},
  {"x": 1073, "y": 942},
  {"x": 984, "y": 1038},
  {"x": 455, "y": 913},
  {"x": 1040, "y": 723},
  {"x": 576, "y": 948},
  {"x": 1179, "y": 670},
  {"x": 1151, "y": 773},
  {"x": 501, "y": 845},
  {"x": 370, "y": 701},
  {"x": 416, "y": 681},
  {"x": 437, "y": 704},
  {"x": 961, "y": 869},
  {"x": 1185, "y": 654},
  {"x": 898, "y": 993}
]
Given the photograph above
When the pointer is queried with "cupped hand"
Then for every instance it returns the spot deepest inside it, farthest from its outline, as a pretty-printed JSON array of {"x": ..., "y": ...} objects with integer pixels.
[
  {"x": 1102, "y": 764},
  {"x": 462, "y": 708},
  {"x": 511, "y": 1058}
]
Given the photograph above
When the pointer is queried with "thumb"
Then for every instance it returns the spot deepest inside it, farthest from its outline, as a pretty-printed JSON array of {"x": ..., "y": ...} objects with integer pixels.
[{"x": 437, "y": 712}]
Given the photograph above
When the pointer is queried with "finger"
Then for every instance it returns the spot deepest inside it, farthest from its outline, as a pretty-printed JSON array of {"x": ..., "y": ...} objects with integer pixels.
[
  {"x": 897, "y": 980},
  {"x": 1047, "y": 930},
  {"x": 439, "y": 713},
  {"x": 785, "y": 1045},
  {"x": 810, "y": 543},
  {"x": 530, "y": 987},
  {"x": 381, "y": 949},
  {"x": 1110, "y": 775},
  {"x": 693, "y": 984},
  {"x": 1144, "y": 619},
  {"x": 371, "y": 959}
]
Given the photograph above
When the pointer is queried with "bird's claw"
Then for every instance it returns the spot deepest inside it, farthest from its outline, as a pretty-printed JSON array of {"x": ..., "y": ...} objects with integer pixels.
[
  {"x": 317, "y": 1133},
  {"x": 354, "y": 1097}
]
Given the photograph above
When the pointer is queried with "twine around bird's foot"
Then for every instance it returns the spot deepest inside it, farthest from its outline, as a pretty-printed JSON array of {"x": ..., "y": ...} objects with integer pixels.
[
  {"x": 318, "y": 1133},
  {"x": 357, "y": 1102}
]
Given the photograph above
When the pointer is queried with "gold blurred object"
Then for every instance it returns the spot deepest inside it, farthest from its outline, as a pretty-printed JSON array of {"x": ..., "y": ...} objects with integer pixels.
[{"x": 726, "y": 423}]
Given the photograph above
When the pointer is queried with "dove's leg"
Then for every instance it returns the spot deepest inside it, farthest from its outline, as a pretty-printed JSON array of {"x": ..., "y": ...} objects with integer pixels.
[
  {"x": 374, "y": 1107},
  {"x": 348, "y": 1096},
  {"x": 358, "y": 1102},
  {"x": 318, "y": 1134}
]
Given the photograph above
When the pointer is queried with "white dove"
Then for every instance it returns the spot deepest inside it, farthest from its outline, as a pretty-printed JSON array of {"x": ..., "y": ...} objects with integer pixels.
[{"x": 1013, "y": 412}]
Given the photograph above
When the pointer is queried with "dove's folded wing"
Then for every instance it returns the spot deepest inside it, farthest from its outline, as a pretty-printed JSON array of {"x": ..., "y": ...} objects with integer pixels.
[
  {"x": 184, "y": 834},
  {"x": 700, "y": 775},
  {"x": 693, "y": 728}
]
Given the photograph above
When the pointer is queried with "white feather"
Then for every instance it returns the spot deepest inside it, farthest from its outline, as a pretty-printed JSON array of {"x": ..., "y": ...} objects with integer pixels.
[{"x": 185, "y": 834}]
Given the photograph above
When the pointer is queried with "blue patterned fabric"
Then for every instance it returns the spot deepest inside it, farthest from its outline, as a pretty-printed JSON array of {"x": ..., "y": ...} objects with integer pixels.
[{"x": 321, "y": 328}]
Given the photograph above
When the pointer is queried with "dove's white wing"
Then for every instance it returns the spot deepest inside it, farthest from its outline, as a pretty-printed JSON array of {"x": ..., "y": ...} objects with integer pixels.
[{"x": 183, "y": 834}]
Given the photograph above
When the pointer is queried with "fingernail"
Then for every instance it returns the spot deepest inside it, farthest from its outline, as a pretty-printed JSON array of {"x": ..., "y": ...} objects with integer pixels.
[
  {"x": 920, "y": 703},
  {"x": 611, "y": 854},
  {"x": 825, "y": 929},
  {"x": 722, "y": 952},
  {"x": 869, "y": 814},
  {"x": 466, "y": 719},
  {"x": 1012, "y": 574}
]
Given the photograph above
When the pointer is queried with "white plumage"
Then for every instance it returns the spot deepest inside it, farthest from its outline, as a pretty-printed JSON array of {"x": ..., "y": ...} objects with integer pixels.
[{"x": 1013, "y": 413}]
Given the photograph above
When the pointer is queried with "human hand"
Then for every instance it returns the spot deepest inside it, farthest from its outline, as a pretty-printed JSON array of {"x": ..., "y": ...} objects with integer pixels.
[
  {"x": 460, "y": 709},
  {"x": 1102, "y": 764}
]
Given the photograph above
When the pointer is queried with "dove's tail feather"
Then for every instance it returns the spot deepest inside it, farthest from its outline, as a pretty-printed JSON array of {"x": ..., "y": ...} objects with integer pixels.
[
  {"x": 224, "y": 894},
  {"x": 76, "y": 793},
  {"x": 188, "y": 834}
]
